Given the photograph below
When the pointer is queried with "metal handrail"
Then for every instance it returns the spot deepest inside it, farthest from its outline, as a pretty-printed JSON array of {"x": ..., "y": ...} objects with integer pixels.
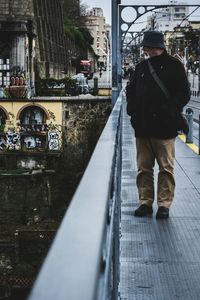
[{"x": 83, "y": 261}]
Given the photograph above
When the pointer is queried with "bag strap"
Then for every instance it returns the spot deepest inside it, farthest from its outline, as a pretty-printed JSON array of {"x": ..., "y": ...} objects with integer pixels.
[{"x": 158, "y": 81}]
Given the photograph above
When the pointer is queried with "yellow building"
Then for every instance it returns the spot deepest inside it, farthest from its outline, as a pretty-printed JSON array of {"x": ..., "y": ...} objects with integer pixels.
[{"x": 30, "y": 125}]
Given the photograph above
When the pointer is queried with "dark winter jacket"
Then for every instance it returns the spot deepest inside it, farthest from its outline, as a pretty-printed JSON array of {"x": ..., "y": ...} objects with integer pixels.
[{"x": 152, "y": 114}]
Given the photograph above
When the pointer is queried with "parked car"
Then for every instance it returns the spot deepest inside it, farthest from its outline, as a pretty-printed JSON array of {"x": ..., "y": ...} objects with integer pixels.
[{"x": 82, "y": 86}]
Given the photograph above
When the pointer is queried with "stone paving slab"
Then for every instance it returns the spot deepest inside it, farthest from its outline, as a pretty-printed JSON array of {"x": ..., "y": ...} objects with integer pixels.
[{"x": 160, "y": 259}]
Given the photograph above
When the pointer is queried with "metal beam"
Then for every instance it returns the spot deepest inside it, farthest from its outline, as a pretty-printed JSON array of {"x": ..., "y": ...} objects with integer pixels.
[
  {"x": 117, "y": 39},
  {"x": 141, "y": 10},
  {"x": 115, "y": 46}
]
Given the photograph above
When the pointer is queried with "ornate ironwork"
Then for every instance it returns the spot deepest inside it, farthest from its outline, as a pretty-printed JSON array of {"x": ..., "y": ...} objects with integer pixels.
[{"x": 128, "y": 14}]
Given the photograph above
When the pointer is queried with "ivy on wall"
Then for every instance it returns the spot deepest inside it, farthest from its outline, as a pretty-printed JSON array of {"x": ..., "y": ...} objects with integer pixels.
[{"x": 80, "y": 35}]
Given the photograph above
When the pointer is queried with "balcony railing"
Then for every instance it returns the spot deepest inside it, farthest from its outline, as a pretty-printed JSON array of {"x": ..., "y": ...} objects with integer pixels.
[{"x": 33, "y": 127}]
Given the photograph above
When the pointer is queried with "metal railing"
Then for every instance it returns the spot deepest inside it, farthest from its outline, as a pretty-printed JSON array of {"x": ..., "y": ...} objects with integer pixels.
[{"x": 83, "y": 262}]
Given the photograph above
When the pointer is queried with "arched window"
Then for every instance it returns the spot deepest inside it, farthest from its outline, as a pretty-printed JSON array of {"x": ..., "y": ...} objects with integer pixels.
[
  {"x": 33, "y": 118},
  {"x": 33, "y": 128},
  {"x": 33, "y": 115}
]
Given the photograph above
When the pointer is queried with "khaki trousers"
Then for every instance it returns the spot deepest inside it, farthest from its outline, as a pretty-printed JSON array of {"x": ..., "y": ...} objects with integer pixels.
[{"x": 163, "y": 151}]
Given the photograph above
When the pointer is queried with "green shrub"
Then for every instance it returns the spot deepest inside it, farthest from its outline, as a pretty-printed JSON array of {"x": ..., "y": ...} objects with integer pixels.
[{"x": 54, "y": 87}]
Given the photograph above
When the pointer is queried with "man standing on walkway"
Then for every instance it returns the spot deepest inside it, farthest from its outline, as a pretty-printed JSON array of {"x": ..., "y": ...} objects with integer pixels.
[{"x": 154, "y": 103}]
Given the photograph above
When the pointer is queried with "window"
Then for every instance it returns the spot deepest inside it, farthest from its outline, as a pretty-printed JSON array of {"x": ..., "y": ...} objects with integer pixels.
[
  {"x": 4, "y": 71},
  {"x": 33, "y": 116},
  {"x": 33, "y": 132}
]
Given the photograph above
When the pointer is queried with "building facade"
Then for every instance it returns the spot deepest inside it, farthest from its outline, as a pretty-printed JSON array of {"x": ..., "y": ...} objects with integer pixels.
[
  {"x": 71, "y": 8},
  {"x": 172, "y": 21},
  {"x": 95, "y": 23},
  {"x": 33, "y": 43},
  {"x": 50, "y": 42},
  {"x": 30, "y": 126},
  {"x": 166, "y": 19},
  {"x": 16, "y": 38},
  {"x": 182, "y": 38}
]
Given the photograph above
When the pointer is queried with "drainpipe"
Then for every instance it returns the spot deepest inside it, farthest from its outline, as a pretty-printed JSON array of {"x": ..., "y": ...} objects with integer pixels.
[{"x": 30, "y": 52}]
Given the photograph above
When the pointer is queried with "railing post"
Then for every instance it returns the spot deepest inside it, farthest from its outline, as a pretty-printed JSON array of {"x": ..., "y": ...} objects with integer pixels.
[
  {"x": 189, "y": 117},
  {"x": 95, "y": 86}
]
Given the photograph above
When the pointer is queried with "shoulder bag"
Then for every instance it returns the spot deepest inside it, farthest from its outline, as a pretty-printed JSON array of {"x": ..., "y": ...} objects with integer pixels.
[{"x": 182, "y": 121}]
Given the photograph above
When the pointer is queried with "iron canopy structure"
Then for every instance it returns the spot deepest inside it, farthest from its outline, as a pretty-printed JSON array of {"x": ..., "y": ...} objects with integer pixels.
[{"x": 124, "y": 18}]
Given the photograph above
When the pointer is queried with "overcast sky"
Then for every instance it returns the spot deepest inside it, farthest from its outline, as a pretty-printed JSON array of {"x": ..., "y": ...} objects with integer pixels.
[{"x": 106, "y": 5}]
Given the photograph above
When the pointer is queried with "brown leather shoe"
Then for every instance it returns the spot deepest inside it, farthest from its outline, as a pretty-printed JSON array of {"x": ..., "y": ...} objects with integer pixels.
[
  {"x": 162, "y": 213},
  {"x": 143, "y": 211}
]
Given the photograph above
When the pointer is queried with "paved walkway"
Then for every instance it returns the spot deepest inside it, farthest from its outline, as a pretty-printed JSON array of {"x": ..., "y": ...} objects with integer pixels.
[{"x": 160, "y": 259}]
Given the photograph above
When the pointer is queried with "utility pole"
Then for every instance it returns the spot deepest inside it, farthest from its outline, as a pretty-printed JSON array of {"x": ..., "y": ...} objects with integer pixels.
[{"x": 115, "y": 47}]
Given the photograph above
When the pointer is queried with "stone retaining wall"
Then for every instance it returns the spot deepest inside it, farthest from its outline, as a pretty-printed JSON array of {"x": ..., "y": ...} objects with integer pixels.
[{"x": 49, "y": 187}]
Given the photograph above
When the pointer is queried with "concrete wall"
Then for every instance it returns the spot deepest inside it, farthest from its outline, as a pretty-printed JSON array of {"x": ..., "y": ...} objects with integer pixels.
[{"x": 16, "y": 10}]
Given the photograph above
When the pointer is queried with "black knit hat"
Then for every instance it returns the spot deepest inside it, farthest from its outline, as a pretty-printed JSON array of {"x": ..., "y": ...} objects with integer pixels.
[{"x": 153, "y": 39}]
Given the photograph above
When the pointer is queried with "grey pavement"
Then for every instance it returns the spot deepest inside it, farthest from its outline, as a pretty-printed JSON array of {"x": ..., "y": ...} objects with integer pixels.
[
  {"x": 160, "y": 259},
  {"x": 104, "y": 81}
]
